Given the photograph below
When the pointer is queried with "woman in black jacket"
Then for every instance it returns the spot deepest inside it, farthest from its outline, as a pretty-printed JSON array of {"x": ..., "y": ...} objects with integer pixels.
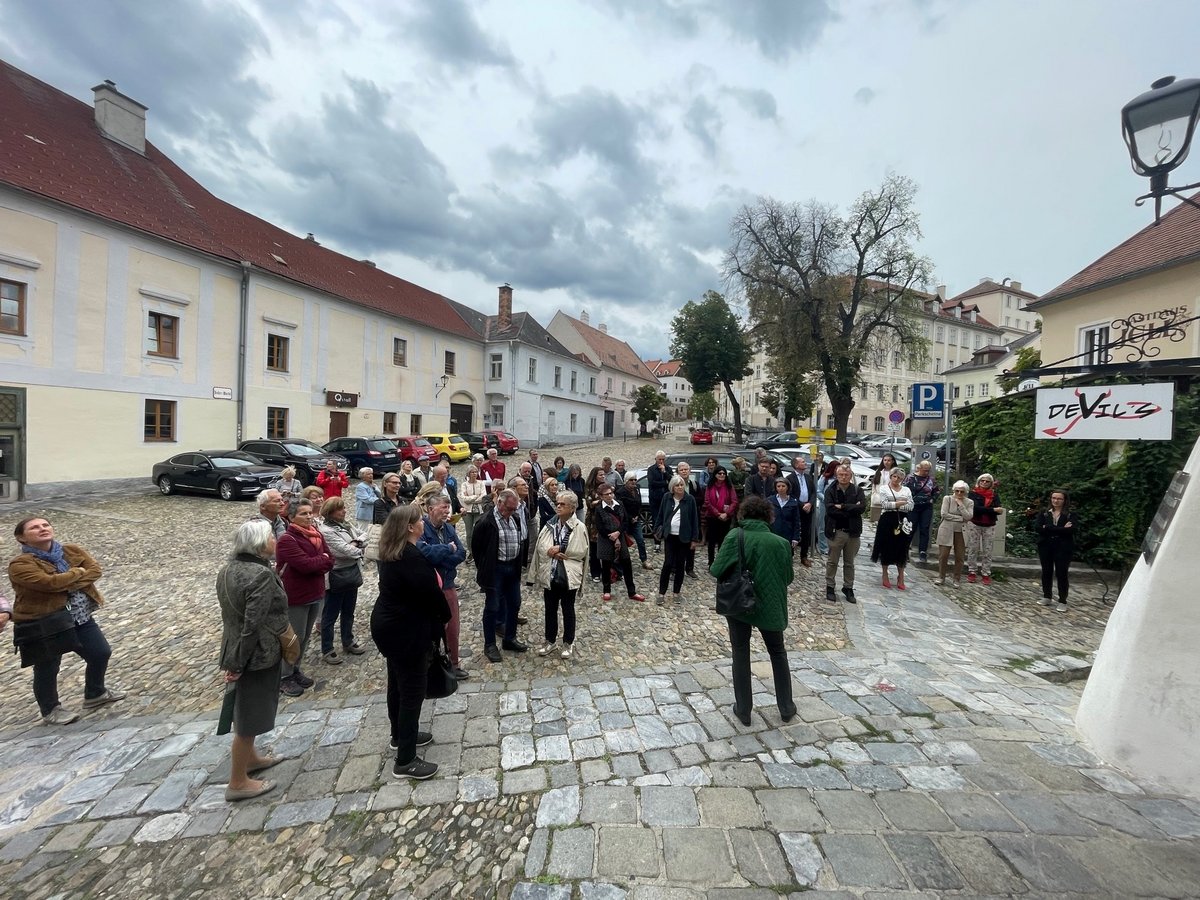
[
  {"x": 1056, "y": 528},
  {"x": 409, "y": 618}
]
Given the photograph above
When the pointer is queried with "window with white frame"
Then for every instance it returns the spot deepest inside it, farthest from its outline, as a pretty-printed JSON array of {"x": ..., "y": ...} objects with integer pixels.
[
  {"x": 879, "y": 423},
  {"x": 591, "y": 385},
  {"x": 978, "y": 341},
  {"x": 609, "y": 388},
  {"x": 879, "y": 392},
  {"x": 497, "y": 415},
  {"x": 937, "y": 367},
  {"x": 399, "y": 352},
  {"x": 574, "y": 380},
  {"x": 970, "y": 391},
  {"x": 1093, "y": 344},
  {"x": 984, "y": 389},
  {"x": 592, "y": 425},
  {"x": 574, "y": 423},
  {"x": 862, "y": 423},
  {"x": 558, "y": 377},
  {"x": 163, "y": 335},
  {"x": 12, "y": 307},
  {"x": 533, "y": 369},
  {"x": 965, "y": 338},
  {"x": 895, "y": 359},
  {"x": 895, "y": 393},
  {"x": 496, "y": 367},
  {"x": 451, "y": 363},
  {"x": 953, "y": 336},
  {"x": 941, "y": 333},
  {"x": 277, "y": 352}
]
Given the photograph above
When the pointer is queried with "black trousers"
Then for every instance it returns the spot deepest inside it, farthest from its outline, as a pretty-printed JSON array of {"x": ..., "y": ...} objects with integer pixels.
[
  {"x": 674, "y": 561},
  {"x": 717, "y": 530},
  {"x": 622, "y": 564},
  {"x": 806, "y": 523},
  {"x": 554, "y": 597},
  {"x": 739, "y": 642},
  {"x": 1056, "y": 560},
  {"x": 406, "y": 677}
]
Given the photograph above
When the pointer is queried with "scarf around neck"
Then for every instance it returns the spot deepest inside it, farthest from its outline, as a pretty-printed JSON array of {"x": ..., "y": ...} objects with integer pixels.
[{"x": 54, "y": 556}]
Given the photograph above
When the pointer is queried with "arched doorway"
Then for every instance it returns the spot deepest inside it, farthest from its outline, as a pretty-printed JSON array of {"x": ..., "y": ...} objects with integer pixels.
[{"x": 462, "y": 412}]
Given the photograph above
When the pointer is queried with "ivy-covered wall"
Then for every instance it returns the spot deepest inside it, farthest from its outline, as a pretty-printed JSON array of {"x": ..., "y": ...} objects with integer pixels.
[{"x": 1115, "y": 503}]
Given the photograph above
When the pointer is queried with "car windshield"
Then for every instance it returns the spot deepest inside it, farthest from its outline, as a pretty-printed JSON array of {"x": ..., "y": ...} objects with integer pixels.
[
  {"x": 234, "y": 460},
  {"x": 457, "y": 439},
  {"x": 381, "y": 445},
  {"x": 302, "y": 449},
  {"x": 421, "y": 442}
]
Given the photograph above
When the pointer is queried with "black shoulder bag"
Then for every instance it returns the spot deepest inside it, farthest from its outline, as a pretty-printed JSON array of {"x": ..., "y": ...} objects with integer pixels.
[
  {"x": 440, "y": 680},
  {"x": 735, "y": 592}
]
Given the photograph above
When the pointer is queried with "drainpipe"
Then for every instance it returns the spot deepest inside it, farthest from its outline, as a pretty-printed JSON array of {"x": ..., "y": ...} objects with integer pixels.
[
  {"x": 512, "y": 368},
  {"x": 243, "y": 323}
]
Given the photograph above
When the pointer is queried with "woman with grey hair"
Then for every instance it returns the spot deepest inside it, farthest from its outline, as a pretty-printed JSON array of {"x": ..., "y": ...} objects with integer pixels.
[
  {"x": 678, "y": 526},
  {"x": 956, "y": 512},
  {"x": 253, "y": 621},
  {"x": 365, "y": 495},
  {"x": 561, "y": 544},
  {"x": 290, "y": 488},
  {"x": 470, "y": 495}
]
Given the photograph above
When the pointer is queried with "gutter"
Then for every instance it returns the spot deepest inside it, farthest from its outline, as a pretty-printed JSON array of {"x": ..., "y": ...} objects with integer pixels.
[{"x": 243, "y": 324}]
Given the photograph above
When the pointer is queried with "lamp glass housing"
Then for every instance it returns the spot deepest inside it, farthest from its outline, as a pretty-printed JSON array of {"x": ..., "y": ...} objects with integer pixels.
[{"x": 1158, "y": 125}]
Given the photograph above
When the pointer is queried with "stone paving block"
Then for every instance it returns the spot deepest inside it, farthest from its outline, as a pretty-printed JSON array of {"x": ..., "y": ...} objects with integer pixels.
[
  {"x": 717, "y": 726},
  {"x": 912, "y": 812},
  {"x": 1110, "y": 811},
  {"x": 790, "y": 809},
  {"x": 479, "y": 759},
  {"x": 803, "y": 856},
  {"x": 553, "y": 749},
  {"x": 627, "y": 766},
  {"x": 358, "y": 774},
  {"x": 313, "y": 785},
  {"x": 861, "y": 860},
  {"x": 992, "y": 777},
  {"x": 849, "y": 811},
  {"x": 933, "y": 778},
  {"x": 473, "y": 788},
  {"x": 88, "y": 789},
  {"x": 896, "y": 754},
  {"x": 519, "y": 724},
  {"x": 247, "y": 818},
  {"x": 826, "y": 777},
  {"x": 326, "y": 758},
  {"x": 659, "y": 760},
  {"x": 593, "y": 771},
  {"x": 626, "y": 852},
  {"x": 976, "y": 812},
  {"x": 874, "y": 778},
  {"x": 808, "y": 755},
  {"x": 558, "y": 807},
  {"x": 1044, "y": 815},
  {"x": 785, "y": 775},
  {"x": 563, "y": 775},
  {"x": 288, "y": 815},
  {"x": 812, "y": 709},
  {"x": 1112, "y": 782},
  {"x": 691, "y": 776},
  {"x": 924, "y": 864},
  {"x": 724, "y": 807},
  {"x": 571, "y": 852},
  {"x": 608, "y": 805},
  {"x": 689, "y": 733},
  {"x": 738, "y": 774},
  {"x": 70, "y": 837},
  {"x": 690, "y": 755},
  {"x": 696, "y": 854},
  {"x": 120, "y": 802},
  {"x": 438, "y": 790},
  {"x": 951, "y": 753},
  {"x": 1125, "y": 871},
  {"x": 528, "y": 890},
  {"x": 622, "y": 740},
  {"x": 1066, "y": 755},
  {"x": 113, "y": 832},
  {"x": 758, "y": 857},
  {"x": 173, "y": 793},
  {"x": 69, "y": 814},
  {"x": 207, "y": 824},
  {"x": 392, "y": 795},
  {"x": 537, "y": 852},
  {"x": 669, "y": 806},
  {"x": 840, "y": 704},
  {"x": 1044, "y": 863},
  {"x": 659, "y": 779},
  {"x": 517, "y": 751},
  {"x": 481, "y": 732},
  {"x": 163, "y": 828},
  {"x": 1170, "y": 816},
  {"x": 1176, "y": 858}
]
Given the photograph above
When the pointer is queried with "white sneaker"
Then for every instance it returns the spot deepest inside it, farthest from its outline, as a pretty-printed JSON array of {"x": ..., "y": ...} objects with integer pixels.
[
  {"x": 59, "y": 716},
  {"x": 545, "y": 649},
  {"x": 566, "y": 650},
  {"x": 1060, "y": 606},
  {"x": 1045, "y": 601},
  {"x": 661, "y": 601}
]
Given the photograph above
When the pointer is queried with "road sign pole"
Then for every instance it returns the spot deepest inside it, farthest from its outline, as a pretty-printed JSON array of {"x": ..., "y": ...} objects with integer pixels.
[{"x": 950, "y": 445}]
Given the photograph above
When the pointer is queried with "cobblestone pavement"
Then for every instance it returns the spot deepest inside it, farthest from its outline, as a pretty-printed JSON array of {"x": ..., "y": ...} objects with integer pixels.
[{"x": 924, "y": 761}]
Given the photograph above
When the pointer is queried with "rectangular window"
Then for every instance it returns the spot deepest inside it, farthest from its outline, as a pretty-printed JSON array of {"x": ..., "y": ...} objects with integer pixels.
[
  {"x": 970, "y": 391},
  {"x": 591, "y": 384},
  {"x": 414, "y": 424},
  {"x": 895, "y": 359},
  {"x": 558, "y": 377},
  {"x": 389, "y": 423},
  {"x": 937, "y": 367},
  {"x": 956, "y": 392},
  {"x": 496, "y": 370},
  {"x": 399, "y": 352},
  {"x": 879, "y": 423},
  {"x": 163, "y": 334},
  {"x": 451, "y": 363},
  {"x": 862, "y": 423},
  {"x": 277, "y": 352},
  {"x": 609, "y": 388},
  {"x": 497, "y": 416},
  {"x": 965, "y": 338},
  {"x": 983, "y": 389},
  {"x": 593, "y": 425},
  {"x": 12, "y": 307},
  {"x": 941, "y": 333},
  {"x": 624, "y": 388},
  {"x": 574, "y": 422},
  {"x": 1095, "y": 342},
  {"x": 574, "y": 380},
  {"x": 533, "y": 369},
  {"x": 277, "y": 422},
  {"x": 953, "y": 336},
  {"x": 978, "y": 341},
  {"x": 160, "y": 420},
  {"x": 879, "y": 392},
  {"x": 895, "y": 393}
]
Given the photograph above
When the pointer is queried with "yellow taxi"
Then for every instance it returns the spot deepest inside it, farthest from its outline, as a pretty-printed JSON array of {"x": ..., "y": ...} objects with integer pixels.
[{"x": 450, "y": 447}]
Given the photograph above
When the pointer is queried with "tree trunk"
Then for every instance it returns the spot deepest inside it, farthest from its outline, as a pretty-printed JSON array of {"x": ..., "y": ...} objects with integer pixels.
[
  {"x": 737, "y": 412},
  {"x": 842, "y": 407}
]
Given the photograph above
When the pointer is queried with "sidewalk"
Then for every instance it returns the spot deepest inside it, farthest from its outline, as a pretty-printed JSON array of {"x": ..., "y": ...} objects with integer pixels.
[{"x": 920, "y": 764}]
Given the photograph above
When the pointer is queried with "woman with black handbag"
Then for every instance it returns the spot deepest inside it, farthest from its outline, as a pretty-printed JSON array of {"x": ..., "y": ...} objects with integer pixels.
[
  {"x": 562, "y": 547},
  {"x": 893, "y": 533},
  {"x": 768, "y": 558},
  {"x": 54, "y": 600},
  {"x": 346, "y": 544},
  {"x": 408, "y": 621}
]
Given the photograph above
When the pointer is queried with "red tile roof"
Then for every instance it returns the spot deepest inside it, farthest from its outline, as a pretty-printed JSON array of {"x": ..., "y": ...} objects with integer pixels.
[
  {"x": 946, "y": 308},
  {"x": 612, "y": 352},
  {"x": 1173, "y": 241},
  {"x": 991, "y": 287},
  {"x": 51, "y": 147},
  {"x": 664, "y": 368}
]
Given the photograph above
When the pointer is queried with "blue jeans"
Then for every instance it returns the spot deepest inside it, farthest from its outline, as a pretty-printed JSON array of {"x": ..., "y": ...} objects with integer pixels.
[
  {"x": 337, "y": 603},
  {"x": 819, "y": 528},
  {"x": 639, "y": 538},
  {"x": 93, "y": 649},
  {"x": 922, "y": 518},
  {"x": 502, "y": 602}
]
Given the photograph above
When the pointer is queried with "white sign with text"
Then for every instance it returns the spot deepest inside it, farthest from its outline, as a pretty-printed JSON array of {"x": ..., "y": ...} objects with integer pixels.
[{"x": 1118, "y": 412}]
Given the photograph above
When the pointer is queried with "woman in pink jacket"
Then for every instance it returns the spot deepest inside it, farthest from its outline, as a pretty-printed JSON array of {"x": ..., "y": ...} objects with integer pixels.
[
  {"x": 720, "y": 508},
  {"x": 302, "y": 559}
]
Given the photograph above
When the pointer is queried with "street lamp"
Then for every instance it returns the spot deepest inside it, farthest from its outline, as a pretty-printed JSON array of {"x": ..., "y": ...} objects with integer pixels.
[{"x": 1158, "y": 127}]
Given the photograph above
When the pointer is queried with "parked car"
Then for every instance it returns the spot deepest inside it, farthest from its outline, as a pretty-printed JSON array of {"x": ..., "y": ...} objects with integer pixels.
[
  {"x": 775, "y": 439},
  {"x": 506, "y": 443},
  {"x": 308, "y": 458},
  {"x": 416, "y": 448},
  {"x": 716, "y": 427},
  {"x": 891, "y": 442},
  {"x": 227, "y": 473},
  {"x": 479, "y": 442},
  {"x": 450, "y": 447},
  {"x": 701, "y": 436},
  {"x": 378, "y": 453},
  {"x": 941, "y": 447}
]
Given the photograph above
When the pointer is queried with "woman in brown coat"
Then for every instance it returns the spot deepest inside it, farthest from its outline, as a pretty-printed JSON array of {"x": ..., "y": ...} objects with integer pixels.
[{"x": 48, "y": 577}]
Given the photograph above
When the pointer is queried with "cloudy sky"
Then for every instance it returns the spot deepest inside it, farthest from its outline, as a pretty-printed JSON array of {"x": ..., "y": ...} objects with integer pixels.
[{"x": 591, "y": 152}]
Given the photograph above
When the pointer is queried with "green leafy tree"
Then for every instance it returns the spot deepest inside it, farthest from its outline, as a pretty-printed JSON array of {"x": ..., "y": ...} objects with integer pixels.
[
  {"x": 1027, "y": 358},
  {"x": 825, "y": 292},
  {"x": 702, "y": 405},
  {"x": 648, "y": 402},
  {"x": 711, "y": 343}
]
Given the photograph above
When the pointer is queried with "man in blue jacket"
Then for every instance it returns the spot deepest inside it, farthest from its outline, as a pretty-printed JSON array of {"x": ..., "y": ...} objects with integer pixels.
[{"x": 441, "y": 546}]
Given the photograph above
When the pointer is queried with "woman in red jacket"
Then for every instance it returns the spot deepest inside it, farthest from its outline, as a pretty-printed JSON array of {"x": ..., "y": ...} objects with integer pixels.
[
  {"x": 302, "y": 559},
  {"x": 720, "y": 506}
]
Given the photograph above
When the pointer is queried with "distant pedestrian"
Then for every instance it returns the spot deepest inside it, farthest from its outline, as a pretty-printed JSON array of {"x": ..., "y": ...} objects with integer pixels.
[
  {"x": 844, "y": 505},
  {"x": 332, "y": 481},
  {"x": 985, "y": 502},
  {"x": 1056, "y": 529},
  {"x": 365, "y": 495}
]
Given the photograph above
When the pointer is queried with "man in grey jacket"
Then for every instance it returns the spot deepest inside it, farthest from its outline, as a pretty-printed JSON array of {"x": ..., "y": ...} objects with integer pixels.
[{"x": 270, "y": 509}]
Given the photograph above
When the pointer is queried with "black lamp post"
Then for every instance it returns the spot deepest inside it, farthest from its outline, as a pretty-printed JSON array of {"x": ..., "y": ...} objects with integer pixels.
[{"x": 1158, "y": 127}]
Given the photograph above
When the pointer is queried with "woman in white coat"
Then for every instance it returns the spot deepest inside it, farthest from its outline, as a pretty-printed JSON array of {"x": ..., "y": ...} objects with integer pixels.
[
  {"x": 956, "y": 511},
  {"x": 562, "y": 550}
]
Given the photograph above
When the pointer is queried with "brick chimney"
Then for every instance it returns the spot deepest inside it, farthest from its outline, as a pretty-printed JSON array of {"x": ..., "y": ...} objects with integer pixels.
[
  {"x": 504, "y": 317},
  {"x": 120, "y": 118}
]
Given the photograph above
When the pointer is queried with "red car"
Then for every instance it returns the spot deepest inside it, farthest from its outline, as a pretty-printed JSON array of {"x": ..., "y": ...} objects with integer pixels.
[
  {"x": 416, "y": 448},
  {"x": 508, "y": 444},
  {"x": 701, "y": 436}
]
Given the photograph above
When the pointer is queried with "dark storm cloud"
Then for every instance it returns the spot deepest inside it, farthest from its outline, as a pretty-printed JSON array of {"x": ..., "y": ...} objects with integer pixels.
[
  {"x": 451, "y": 35},
  {"x": 778, "y": 28},
  {"x": 760, "y": 103},
  {"x": 185, "y": 61},
  {"x": 703, "y": 122}
]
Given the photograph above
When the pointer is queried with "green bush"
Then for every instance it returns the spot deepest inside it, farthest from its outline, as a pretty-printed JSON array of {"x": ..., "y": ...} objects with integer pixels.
[{"x": 1115, "y": 503}]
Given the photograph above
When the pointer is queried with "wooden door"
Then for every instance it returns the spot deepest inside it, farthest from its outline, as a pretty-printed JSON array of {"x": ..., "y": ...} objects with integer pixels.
[{"x": 339, "y": 425}]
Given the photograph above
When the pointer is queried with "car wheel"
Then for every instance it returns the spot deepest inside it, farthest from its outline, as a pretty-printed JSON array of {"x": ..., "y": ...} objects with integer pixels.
[
  {"x": 445, "y": 457},
  {"x": 305, "y": 478},
  {"x": 166, "y": 485},
  {"x": 225, "y": 489}
]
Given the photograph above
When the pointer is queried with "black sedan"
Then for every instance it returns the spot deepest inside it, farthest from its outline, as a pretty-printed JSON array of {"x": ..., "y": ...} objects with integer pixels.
[
  {"x": 778, "y": 439},
  {"x": 480, "y": 442},
  {"x": 227, "y": 473}
]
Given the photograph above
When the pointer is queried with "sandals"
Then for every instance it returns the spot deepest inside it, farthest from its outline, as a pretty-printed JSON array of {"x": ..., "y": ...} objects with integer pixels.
[{"x": 266, "y": 763}]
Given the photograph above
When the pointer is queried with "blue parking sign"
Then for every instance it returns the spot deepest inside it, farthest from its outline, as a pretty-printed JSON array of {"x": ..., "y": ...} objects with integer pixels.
[{"x": 928, "y": 400}]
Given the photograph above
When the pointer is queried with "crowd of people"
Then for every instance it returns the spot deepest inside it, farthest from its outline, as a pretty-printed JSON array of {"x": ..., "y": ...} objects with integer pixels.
[{"x": 297, "y": 565}]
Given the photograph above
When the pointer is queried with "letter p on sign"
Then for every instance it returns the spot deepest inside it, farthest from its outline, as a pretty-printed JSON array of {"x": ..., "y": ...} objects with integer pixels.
[{"x": 928, "y": 400}]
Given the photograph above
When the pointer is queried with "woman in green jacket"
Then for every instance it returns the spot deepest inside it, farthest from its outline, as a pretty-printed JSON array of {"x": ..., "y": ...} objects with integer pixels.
[{"x": 769, "y": 559}]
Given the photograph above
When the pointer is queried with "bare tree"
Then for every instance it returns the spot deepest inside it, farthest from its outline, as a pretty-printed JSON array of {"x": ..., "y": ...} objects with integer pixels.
[{"x": 827, "y": 293}]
